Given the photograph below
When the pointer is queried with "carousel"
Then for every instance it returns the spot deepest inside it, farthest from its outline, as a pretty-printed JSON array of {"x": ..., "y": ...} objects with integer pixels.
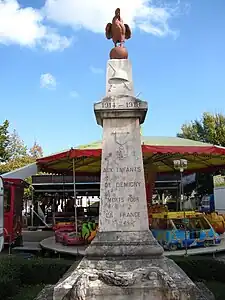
[{"x": 161, "y": 155}]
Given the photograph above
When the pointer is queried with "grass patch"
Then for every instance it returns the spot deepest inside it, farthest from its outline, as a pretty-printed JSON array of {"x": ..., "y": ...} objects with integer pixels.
[
  {"x": 217, "y": 288},
  {"x": 28, "y": 292},
  {"x": 211, "y": 271}
]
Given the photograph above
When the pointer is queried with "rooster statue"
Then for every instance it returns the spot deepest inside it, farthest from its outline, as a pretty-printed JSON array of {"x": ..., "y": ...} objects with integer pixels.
[{"x": 117, "y": 30}]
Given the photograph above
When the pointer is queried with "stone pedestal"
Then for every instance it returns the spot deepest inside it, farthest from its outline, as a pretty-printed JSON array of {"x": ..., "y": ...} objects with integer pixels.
[
  {"x": 123, "y": 219},
  {"x": 137, "y": 279},
  {"x": 124, "y": 261}
]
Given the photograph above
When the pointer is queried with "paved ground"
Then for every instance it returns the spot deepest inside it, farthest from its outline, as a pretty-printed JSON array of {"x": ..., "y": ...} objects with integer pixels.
[
  {"x": 50, "y": 244},
  {"x": 36, "y": 240},
  {"x": 36, "y": 236},
  {"x": 32, "y": 239}
]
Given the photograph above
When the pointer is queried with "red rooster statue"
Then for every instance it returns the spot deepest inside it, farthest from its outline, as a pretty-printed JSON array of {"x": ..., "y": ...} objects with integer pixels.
[{"x": 117, "y": 30}]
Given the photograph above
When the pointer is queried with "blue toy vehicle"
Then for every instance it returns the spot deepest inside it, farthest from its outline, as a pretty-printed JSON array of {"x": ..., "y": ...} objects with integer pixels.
[{"x": 175, "y": 230}]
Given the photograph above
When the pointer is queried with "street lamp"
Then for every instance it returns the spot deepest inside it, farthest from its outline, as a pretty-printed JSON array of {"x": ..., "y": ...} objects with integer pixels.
[{"x": 181, "y": 165}]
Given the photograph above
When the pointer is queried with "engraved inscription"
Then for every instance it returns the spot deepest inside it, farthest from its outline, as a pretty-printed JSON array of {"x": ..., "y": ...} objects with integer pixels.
[
  {"x": 133, "y": 199},
  {"x": 132, "y": 104},
  {"x": 135, "y": 214},
  {"x": 128, "y": 184},
  {"x": 128, "y": 169},
  {"x": 113, "y": 105},
  {"x": 108, "y": 104},
  {"x": 107, "y": 184},
  {"x": 108, "y": 170},
  {"x": 121, "y": 153},
  {"x": 129, "y": 222},
  {"x": 115, "y": 199},
  {"x": 109, "y": 215}
]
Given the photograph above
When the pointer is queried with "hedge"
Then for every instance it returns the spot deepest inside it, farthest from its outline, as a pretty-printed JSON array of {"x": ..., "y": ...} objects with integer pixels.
[{"x": 16, "y": 272}]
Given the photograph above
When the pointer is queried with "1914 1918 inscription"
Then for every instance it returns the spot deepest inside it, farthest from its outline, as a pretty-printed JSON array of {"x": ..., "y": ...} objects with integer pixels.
[
  {"x": 114, "y": 105},
  {"x": 108, "y": 104}
]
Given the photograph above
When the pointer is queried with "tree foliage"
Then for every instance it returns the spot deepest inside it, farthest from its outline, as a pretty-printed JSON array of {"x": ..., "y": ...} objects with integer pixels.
[
  {"x": 36, "y": 151},
  {"x": 16, "y": 163},
  {"x": 209, "y": 129},
  {"x": 14, "y": 153},
  {"x": 16, "y": 147},
  {"x": 4, "y": 141}
]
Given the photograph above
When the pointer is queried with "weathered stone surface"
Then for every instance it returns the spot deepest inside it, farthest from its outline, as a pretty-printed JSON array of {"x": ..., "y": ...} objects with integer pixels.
[
  {"x": 118, "y": 69},
  {"x": 123, "y": 244},
  {"x": 46, "y": 293},
  {"x": 120, "y": 107},
  {"x": 123, "y": 219},
  {"x": 145, "y": 279},
  {"x": 122, "y": 178},
  {"x": 205, "y": 291}
]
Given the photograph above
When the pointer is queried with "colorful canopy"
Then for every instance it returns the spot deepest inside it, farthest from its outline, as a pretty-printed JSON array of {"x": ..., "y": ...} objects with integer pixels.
[{"x": 159, "y": 151}]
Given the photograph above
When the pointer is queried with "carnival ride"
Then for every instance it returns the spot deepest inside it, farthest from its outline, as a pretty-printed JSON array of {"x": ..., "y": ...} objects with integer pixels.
[
  {"x": 67, "y": 235},
  {"x": 213, "y": 205},
  {"x": 216, "y": 220},
  {"x": 159, "y": 154},
  {"x": 177, "y": 230}
]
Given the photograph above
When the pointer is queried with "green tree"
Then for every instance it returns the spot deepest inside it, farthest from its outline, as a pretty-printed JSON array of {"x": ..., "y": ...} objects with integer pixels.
[
  {"x": 4, "y": 141},
  {"x": 14, "y": 154},
  {"x": 36, "y": 151},
  {"x": 19, "y": 155},
  {"x": 209, "y": 129},
  {"x": 16, "y": 147},
  {"x": 16, "y": 163}
]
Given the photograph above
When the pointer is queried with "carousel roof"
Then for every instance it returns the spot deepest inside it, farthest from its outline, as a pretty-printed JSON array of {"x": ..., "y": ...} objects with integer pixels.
[{"x": 159, "y": 151}]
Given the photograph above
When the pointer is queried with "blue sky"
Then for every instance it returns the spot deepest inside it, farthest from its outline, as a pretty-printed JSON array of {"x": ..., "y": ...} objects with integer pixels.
[{"x": 53, "y": 60}]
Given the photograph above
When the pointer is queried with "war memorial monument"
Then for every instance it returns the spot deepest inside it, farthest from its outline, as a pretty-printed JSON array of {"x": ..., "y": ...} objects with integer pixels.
[{"x": 124, "y": 261}]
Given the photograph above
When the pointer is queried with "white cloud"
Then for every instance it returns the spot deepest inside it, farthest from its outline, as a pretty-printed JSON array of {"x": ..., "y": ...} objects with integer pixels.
[
  {"x": 74, "y": 94},
  {"x": 147, "y": 15},
  {"x": 24, "y": 26},
  {"x": 48, "y": 81},
  {"x": 96, "y": 70}
]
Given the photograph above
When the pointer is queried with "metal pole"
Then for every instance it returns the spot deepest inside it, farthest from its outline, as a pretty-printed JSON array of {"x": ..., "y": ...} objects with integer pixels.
[
  {"x": 32, "y": 208},
  {"x": 74, "y": 192},
  {"x": 182, "y": 196},
  {"x": 178, "y": 196}
]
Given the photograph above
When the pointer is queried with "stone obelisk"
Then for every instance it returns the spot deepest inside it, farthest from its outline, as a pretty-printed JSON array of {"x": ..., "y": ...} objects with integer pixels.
[
  {"x": 124, "y": 261},
  {"x": 123, "y": 220}
]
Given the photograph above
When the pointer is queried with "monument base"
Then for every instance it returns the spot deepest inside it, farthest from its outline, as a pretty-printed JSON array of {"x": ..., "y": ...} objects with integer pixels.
[
  {"x": 127, "y": 279},
  {"x": 124, "y": 244}
]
